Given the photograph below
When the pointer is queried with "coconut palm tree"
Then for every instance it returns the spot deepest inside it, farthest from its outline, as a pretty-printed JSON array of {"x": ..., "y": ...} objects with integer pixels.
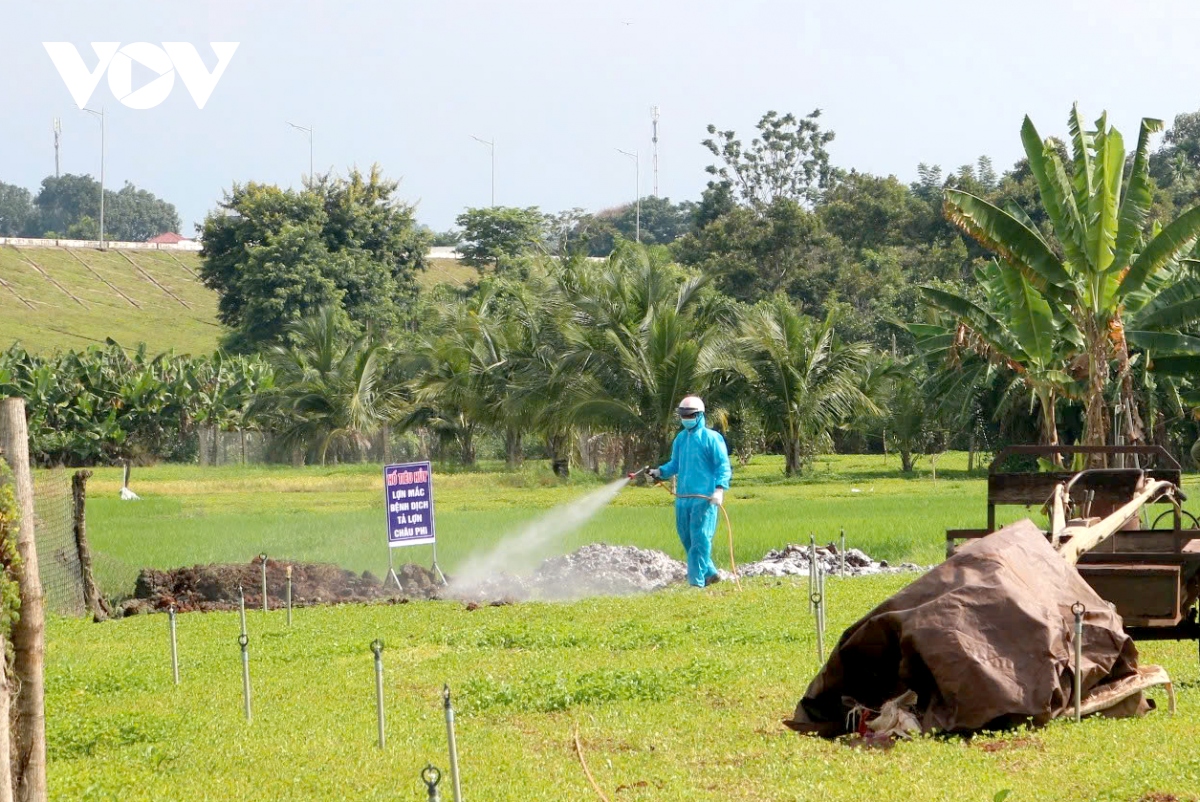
[
  {"x": 327, "y": 393},
  {"x": 647, "y": 335},
  {"x": 1101, "y": 253},
  {"x": 804, "y": 380}
]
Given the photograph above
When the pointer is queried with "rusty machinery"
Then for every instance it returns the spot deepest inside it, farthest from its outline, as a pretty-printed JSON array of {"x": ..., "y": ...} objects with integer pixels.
[{"x": 1123, "y": 526}]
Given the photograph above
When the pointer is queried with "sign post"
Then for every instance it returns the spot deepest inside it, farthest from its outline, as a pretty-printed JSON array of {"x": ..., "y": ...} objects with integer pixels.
[{"x": 408, "y": 502}]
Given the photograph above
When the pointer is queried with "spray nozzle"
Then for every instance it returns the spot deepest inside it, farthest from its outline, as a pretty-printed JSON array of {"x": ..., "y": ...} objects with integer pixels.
[{"x": 637, "y": 473}]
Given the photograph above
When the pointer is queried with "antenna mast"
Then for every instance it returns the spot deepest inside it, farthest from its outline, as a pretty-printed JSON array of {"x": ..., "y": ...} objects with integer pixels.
[
  {"x": 57, "y": 146},
  {"x": 654, "y": 122}
]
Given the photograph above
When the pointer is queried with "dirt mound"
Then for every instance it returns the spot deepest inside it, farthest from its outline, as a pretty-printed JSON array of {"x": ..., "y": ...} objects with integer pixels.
[{"x": 215, "y": 587}]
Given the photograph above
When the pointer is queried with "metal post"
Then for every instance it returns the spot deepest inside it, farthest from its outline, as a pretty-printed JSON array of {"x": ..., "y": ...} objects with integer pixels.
[
  {"x": 308, "y": 130},
  {"x": 1078, "y": 609},
  {"x": 431, "y": 776},
  {"x": 812, "y": 570},
  {"x": 821, "y": 590},
  {"x": 817, "y": 601},
  {"x": 453, "y": 746},
  {"x": 244, "y": 642},
  {"x": 842, "y": 552},
  {"x": 101, "y": 114},
  {"x": 491, "y": 143},
  {"x": 637, "y": 172},
  {"x": 391, "y": 577},
  {"x": 436, "y": 568},
  {"x": 377, "y": 648},
  {"x": 242, "y": 609},
  {"x": 103, "y": 126},
  {"x": 289, "y": 595},
  {"x": 57, "y": 146},
  {"x": 264, "y": 581},
  {"x": 174, "y": 645},
  {"x": 654, "y": 140}
]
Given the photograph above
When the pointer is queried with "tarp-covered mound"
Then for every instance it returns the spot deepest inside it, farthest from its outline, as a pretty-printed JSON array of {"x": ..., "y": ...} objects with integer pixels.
[{"x": 985, "y": 640}]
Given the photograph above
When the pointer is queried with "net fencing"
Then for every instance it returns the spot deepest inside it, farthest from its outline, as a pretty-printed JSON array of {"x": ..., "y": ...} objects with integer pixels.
[{"x": 57, "y": 549}]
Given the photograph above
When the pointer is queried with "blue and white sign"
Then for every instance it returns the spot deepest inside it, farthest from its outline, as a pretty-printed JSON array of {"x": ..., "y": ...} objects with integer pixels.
[{"x": 408, "y": 497}]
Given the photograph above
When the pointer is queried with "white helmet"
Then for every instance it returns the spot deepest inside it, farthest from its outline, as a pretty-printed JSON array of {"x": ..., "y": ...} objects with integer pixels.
[{"x": 690, "y": 405}]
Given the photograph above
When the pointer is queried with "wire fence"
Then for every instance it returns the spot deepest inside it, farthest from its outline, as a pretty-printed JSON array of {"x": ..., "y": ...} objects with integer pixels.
[
  {"x": 239, "y": 447},
  {"x": 58, "y": 552}
]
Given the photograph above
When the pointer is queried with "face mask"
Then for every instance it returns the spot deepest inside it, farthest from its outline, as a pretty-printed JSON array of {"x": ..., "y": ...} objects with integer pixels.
[{"x": 689, "y": 423}]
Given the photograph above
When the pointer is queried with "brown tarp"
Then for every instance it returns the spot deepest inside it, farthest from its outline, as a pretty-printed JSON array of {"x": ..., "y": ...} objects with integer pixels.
[{"x": 985, "y": 640}]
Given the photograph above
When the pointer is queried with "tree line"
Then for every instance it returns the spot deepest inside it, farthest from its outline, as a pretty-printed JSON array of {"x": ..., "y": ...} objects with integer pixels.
[
  {"x": 68, "y": 207},
  {"x": 815, "y": 308}
]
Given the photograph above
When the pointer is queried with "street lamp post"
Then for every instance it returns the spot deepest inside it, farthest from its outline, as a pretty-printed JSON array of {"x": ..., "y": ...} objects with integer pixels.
[
  {"x": 309, "y": 131},
  {"x": 637, "y": 168},
  {"x": 101, "y": 115},
  {"x": 491, "y": 143}
]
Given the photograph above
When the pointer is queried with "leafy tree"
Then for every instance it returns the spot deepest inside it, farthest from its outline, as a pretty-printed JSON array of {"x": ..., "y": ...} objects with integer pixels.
[
  {"x": 805, "y": 380},
  {"x": 16, "y": 210},
  {"x": 788, "y": 159},
  {"x": 135, "y": 215},
  {"x": 499, "y": 235},
  {"x": 1101, "y": 252},
  {"x": 867, "y": 211},
  {"x": 275, "y": 256},
  {"x": 662, "y": 222},
  {"x": 130, "y": 214},
  {"x": 753, "y": 254},
  {"x": 445, "y": 239}
]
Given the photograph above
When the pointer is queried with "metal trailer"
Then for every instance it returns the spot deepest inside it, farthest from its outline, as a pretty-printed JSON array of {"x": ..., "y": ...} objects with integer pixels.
[{"x": 1150, "y": 572}]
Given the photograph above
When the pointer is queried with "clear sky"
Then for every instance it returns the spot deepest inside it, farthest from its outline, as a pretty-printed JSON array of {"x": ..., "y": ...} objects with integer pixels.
[{"x": 561, "y": 85}]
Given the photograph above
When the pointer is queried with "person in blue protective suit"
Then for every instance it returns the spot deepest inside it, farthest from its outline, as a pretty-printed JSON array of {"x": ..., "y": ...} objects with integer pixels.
[{"x": 700, "y": 460}]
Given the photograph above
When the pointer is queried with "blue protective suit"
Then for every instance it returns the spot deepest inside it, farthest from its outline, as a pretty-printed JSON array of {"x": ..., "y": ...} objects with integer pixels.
[{"x": 700, "y": 460}]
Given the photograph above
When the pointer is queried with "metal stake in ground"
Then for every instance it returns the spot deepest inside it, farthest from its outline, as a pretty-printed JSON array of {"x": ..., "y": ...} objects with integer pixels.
[
  {"x": 813, "y": 570},
  {"x": 1078, "y": 609},
  {"x": 174, "y": 645},
  {"x": 377, "y": 648},
  {"x": 431, "y": 776},
  {"x": 842, "y": 555},
  {"x": 264, "y": 580},
  {"x": 242, "y": 609},
  {"x": 289, "y": 595},
  {"x": 453, "y": 746},
  {"x": 244, "y": 642},
  {"x": 817, "y": 601},
  {"x": 821, "y": 591}
]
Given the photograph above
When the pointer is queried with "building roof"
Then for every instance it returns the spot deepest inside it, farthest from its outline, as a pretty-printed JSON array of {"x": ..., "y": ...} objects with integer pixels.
[{"x": 168, "y": 238}]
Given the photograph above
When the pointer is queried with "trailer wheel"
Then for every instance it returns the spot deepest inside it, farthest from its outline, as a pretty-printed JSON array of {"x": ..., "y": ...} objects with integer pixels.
[{"x": 1184, "y": 517}]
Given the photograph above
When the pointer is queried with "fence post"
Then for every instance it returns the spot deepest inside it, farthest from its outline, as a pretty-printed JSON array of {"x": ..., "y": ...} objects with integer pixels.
[
  {"x": 95, "y": 602},
  {"x": 6, "y": 783},
  {"x": 28, "y": 632}
]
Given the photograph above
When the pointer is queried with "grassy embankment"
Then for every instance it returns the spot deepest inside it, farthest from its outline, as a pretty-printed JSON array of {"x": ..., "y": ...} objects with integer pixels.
[{"x": 59, "y": 299}]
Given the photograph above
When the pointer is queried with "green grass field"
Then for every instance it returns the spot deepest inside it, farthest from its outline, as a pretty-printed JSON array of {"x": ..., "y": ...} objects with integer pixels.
[
  {"x": 677, "y": 695},
  {"x": 196, "y": 515},
  {"x": 59, "y": 299}
]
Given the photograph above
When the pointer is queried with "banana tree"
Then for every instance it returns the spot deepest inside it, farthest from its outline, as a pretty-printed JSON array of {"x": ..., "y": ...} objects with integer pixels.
[
  {"x": 1013, "y": 326},
  {"x": 1101, "y": 253}
]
